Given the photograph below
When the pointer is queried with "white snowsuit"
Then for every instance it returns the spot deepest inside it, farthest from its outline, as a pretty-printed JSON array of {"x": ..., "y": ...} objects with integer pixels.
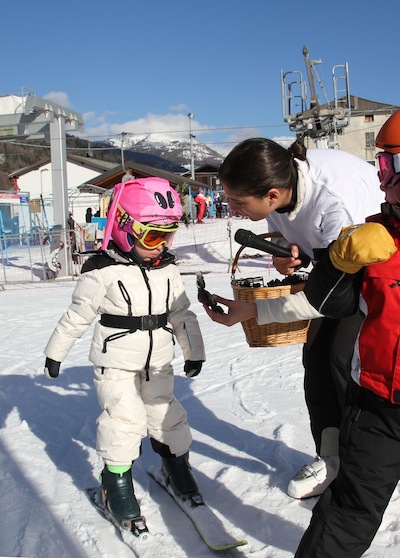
[{"x": 133, "y": 374}]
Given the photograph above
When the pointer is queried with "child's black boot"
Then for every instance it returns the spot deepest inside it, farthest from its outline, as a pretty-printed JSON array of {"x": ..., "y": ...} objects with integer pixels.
[{"x": 179, "y": 476}]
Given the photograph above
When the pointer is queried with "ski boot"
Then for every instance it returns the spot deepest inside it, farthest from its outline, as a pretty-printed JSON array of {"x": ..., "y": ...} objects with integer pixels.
[
  {"x": 313, "y": 479},
  {"x": 180, "y": 478},
  {"x": 118, "y": 496}
]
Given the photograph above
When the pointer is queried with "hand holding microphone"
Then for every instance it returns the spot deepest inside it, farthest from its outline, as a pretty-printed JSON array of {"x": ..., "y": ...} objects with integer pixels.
[{"x": 251, "y": 240}]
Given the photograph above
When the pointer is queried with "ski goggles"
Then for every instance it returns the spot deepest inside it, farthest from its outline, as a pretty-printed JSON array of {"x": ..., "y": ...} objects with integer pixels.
[
  {"x": 389, "y": 168},
  {"x": 149, "y": 235}
]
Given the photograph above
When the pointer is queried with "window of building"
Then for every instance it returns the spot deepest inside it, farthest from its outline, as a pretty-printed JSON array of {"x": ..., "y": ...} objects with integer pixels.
[
  {"x": 369, "y": 118},
  {"x": 369, "y": 140}
]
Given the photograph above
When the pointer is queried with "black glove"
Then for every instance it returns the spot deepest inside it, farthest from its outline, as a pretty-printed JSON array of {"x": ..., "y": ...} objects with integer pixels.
[
  {"x": 192, "y": 367},
  {"x": 51, "y": 368}
]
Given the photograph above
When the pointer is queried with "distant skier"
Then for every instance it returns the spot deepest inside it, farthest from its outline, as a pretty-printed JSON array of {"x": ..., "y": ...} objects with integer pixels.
[
  {"x": 89, "y": 215},
  {"x": 134, "y": 287},
  {"x": 201, "y": 206}
]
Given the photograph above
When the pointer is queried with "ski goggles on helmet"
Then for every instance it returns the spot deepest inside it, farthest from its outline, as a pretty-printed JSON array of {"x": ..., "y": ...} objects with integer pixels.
[
  {"x": 148, "y": 234},
  {"x": 389, "y": 168}
]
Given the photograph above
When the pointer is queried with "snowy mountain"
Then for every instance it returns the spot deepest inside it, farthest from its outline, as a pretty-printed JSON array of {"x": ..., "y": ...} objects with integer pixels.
[{"x": 176, "y": 150}]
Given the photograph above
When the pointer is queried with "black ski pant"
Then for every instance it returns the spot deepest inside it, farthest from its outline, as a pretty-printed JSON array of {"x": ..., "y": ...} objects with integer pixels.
[
  {"x": 327, "y": 358},
  {"x": 349, "y": 513}
]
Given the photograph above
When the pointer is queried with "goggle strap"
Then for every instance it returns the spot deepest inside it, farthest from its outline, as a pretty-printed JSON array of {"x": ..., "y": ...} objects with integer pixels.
[
  {"x": 128, "y": 223},
  {"x": 124, "y": 219}
]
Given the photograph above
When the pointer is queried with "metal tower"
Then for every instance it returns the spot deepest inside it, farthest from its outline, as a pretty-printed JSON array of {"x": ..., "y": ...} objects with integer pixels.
[
  {"x": 33, "y": 118},
  {"x": 321, "y": 122}
]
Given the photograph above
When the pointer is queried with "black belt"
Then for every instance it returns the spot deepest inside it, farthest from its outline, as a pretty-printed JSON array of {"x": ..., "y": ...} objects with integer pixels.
[{"x": 144, "y": 323}]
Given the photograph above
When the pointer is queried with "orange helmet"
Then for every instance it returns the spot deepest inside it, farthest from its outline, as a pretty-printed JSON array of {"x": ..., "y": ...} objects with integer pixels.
[{"x": 388, "y": 137}]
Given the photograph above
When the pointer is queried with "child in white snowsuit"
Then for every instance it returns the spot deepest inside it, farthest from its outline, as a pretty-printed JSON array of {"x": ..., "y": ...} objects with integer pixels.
[{"x": 136, "y": 290}]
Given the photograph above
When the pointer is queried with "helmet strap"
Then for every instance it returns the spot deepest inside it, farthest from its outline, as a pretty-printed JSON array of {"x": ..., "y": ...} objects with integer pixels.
[
  {"x": 112, "y": 210},
  {"x": 150, "y": 262}
]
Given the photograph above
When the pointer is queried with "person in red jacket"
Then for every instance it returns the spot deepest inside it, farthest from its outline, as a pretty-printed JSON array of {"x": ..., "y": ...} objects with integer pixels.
[
  {"x": 349, "y": 513},
  {"x": 360, "y": 270},
  {"x": 201, "y": 205}
]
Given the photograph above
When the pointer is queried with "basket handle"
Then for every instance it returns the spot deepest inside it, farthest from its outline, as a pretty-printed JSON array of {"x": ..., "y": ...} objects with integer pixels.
[{"x": 275, "y": 234}]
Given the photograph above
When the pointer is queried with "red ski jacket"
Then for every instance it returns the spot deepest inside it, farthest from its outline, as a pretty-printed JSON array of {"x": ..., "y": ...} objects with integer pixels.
[
  {"x": 376, "y": 360},
  {"x": 375, "y": 290}
]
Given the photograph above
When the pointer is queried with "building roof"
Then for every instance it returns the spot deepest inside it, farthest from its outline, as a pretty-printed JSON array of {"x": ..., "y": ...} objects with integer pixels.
[
  {"x": 88, "y": 162},
  {"x": 361, "y": 106},
  {"x": 107, "y": 180},
  {"x": 204, "y": 169}
]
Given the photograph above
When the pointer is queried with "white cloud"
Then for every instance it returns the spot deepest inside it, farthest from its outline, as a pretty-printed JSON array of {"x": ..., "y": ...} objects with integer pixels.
[
  {"x": 175, "y": 125},
  {"x": 89, "y": 116},
  {"x": 103, "y": 126},
  {"x": 58, "y": 97},
  {"x": 235, "y": 138},
  {"x": 225, "y": 146},
  {"x": 286, "y": 141}
]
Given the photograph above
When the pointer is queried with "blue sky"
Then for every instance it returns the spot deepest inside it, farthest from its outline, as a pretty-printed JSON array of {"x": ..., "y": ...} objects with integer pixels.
[{"x": 141, "y": 66}]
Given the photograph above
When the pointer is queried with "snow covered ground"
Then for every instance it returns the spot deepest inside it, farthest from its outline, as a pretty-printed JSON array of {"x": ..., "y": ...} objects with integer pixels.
[{"x": 246, "y": 409}]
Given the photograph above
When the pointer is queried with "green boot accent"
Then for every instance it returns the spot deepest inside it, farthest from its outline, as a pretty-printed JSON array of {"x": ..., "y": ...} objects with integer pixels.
[{"x": 118, "y": 469}]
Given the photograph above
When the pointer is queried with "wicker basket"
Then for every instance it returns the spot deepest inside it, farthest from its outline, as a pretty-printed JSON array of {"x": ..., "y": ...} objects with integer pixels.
[{"x": 274, "y": 334}]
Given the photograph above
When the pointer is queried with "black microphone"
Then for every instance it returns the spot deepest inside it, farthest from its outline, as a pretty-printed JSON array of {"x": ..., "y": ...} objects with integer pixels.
[{"x": 248, "y": 238}]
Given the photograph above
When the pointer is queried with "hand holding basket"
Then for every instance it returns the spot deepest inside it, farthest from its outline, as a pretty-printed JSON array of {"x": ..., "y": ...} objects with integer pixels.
[{"x": 273, "y": 334}]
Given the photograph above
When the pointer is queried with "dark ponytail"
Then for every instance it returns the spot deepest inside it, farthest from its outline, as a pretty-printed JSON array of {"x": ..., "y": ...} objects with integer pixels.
[{"x": 298, "y": 150}]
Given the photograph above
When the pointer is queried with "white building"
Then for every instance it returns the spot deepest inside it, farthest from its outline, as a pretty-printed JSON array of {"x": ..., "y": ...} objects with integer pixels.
[
  {"x": 367, "y": 118},
  {"x": 36, "y": 180}
]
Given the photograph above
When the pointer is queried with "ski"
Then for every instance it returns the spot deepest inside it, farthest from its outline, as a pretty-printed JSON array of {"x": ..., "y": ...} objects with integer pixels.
[
  {"x": 143, "y": 544},
  {"x": 209, "y": 526}
]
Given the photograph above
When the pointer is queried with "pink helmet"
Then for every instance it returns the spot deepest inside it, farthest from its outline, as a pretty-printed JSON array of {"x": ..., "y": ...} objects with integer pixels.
[{"x": 146, "y": 200}]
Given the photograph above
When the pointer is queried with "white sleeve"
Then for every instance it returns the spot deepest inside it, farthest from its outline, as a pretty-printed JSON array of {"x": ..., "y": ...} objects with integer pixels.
[
  {"x": 86, "y": 298},
  {"x": 284, "y": 309},
  {"x": 185, "y": 324}
]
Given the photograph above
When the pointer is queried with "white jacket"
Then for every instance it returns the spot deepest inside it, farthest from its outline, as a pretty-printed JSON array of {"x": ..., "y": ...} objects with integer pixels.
[
  {"x": 334, "y": 190},
  {"x": 99, "y": 291}
]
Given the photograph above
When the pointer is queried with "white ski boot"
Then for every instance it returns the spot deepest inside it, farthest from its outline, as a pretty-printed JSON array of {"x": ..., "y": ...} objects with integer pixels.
[{"x": 312, "y": 479}]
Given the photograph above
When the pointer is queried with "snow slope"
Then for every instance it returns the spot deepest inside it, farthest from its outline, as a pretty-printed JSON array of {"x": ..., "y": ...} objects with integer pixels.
[{"x": 246, "y": 409}]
